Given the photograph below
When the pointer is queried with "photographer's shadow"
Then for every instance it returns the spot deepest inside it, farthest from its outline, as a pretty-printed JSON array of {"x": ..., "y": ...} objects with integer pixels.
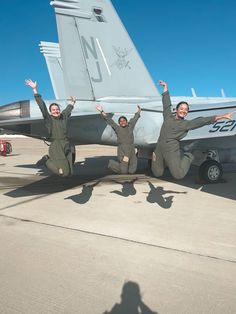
[{"x": 131, "y": 301}]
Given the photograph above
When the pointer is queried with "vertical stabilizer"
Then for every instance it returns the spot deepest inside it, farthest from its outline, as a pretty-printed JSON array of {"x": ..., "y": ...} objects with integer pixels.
[
  {"x": 51, "y": 52},
  {"x": 98, "y": 56}
]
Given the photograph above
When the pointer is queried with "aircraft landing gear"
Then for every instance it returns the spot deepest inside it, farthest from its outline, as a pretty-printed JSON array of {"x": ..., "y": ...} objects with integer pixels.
[
  {"x": 150, "y": 164},
  {"x": 73, "y": 154},
  {"x": 210, "y": 171}
]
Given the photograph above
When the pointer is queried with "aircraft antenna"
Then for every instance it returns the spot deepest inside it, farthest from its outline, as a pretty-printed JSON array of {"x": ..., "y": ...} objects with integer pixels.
[
  {"x": 193, "y": 92},
  {"x": 222, "y": 92}
]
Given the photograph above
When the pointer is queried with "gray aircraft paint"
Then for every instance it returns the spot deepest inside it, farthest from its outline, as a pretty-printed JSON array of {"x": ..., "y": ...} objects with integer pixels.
[
  {"x": 119, "y": 91},
  {"x": 91, "y": 59},
  {"x": 92, "y": 49},
  {"x": 52, "y": 55}
]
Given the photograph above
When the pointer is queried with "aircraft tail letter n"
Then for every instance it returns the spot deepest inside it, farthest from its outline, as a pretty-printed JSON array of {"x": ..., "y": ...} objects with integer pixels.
[{"x": 98, "y": 56}]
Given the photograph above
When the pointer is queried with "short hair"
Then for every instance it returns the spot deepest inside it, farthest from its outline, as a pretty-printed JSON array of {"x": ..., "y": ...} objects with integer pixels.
[
  {"x": 181, "y": 103},
  {"x": 53, "y": 104},
  {"x": 122, "y": 117}
]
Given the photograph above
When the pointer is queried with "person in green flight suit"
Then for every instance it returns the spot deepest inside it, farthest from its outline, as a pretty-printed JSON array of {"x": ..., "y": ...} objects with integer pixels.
[
  {"x": 59, "y": 159},
  {"x": 167, "y": 152},
  {"x": 127, "y": 160}
]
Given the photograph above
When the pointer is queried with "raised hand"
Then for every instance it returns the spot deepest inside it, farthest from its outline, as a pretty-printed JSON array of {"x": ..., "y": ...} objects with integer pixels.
[
  {"x": 99, "y": 108},
  {"x": 164, "y": 84},
  {"x": 229, "y": 115},
  {"x": 31, "y": 84},
  {"x": 73, "y": 100}
]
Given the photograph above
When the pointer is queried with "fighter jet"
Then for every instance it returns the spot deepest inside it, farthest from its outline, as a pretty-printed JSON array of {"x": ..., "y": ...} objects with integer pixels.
[{"x": 97, "y": 62}]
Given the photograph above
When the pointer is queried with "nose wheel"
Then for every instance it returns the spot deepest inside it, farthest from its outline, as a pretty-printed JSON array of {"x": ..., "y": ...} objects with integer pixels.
[{"x": 210, "y": 171}]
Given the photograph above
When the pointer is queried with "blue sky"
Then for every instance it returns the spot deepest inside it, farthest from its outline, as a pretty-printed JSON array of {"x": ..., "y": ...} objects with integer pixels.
[{"x": 187, "y": 43}]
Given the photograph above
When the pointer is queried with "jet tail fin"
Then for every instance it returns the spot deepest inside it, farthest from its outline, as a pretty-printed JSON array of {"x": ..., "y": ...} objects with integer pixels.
[
  {"x": 51, "y": 52},
  {"x": 98, "y": 57}
]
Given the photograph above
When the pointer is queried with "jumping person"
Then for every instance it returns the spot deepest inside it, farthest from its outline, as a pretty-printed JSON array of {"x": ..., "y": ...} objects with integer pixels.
[
  {"x": 127, "y": 160},
  {"x": 167, "y": 152},
  {"x": 59, "y": 160}
]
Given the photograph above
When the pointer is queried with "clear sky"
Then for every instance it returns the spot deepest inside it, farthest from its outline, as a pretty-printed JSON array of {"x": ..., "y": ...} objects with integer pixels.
[{"x": 188, "y": 43}]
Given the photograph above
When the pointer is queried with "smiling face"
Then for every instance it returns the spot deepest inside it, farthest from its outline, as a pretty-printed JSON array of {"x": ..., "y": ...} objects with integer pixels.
[
  {"x": 55, "y": 111},
  {"x": 182, "y": 110},
  {"x": 123, "y": 122}
]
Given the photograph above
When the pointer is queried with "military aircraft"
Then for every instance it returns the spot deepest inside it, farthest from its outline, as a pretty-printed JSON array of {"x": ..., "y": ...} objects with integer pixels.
[{"x": 97, "y": 62}]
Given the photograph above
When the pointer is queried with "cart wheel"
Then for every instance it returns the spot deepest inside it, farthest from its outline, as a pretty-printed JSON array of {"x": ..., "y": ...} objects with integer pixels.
[
  {"x": 8, "y": 148},
  {"x": 150, "y": 164}
]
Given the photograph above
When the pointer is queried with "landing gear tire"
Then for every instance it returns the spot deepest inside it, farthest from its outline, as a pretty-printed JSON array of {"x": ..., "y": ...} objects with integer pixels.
[
  {"x": 210, "y": 171},
  {"x": 149, "y": 164},
  {"x": 73, "y": 152}
]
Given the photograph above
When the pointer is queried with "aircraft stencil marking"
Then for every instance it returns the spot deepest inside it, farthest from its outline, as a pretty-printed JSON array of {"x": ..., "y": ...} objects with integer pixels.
[
  {"x": 121, "y": 62},
  {"x": 223, "y": 126}
]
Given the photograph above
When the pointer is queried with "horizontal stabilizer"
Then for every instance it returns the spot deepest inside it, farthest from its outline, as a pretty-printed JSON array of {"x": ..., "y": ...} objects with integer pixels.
[{"x": 52, "y": 55}]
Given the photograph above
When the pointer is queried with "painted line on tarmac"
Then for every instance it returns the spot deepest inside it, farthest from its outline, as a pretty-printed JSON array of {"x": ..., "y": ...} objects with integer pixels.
[
  {"x": 119, "y": 238},
  {"x": 24, "y": 202}
]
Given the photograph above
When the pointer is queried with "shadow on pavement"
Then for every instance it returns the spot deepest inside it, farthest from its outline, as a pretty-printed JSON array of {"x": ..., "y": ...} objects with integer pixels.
[
  {"x": 95, "y": 168},
  {"x": 225, "y": 188},
  {"x": 85, "y": 194},
  {"x": 131, "y": 301},
  {"x": 92, "y": 169},
  {"x": 155, "y": 195},
  {"x": 127, "y": 188}
]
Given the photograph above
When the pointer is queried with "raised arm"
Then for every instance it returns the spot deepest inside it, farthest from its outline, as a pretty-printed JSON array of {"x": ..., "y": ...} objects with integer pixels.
[
  {"x": 167, "y": 112},
  {"x": 100, "y": 109},
  {"x": 38, "y": 98},
  {"x": 72, "y": 100},
  {"x": 33, "y": 85},
  {"x": 107, "y": 118},
  {"x": 198, "y": 122},
  {"x": 67, "y": 111},
  {"x": 134, "y": 120},
  {"x": 165, "y": 85},
  {"x": 226, "y": 116},
  {"x": 201, "y": 121}
]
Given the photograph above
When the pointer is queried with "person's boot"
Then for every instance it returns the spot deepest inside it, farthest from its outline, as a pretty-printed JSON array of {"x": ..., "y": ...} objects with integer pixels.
[{"x": 41, "y": 162}]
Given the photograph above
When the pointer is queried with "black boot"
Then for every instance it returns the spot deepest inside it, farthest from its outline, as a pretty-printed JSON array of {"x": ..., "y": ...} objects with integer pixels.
[{"x": 41, "y": 162}]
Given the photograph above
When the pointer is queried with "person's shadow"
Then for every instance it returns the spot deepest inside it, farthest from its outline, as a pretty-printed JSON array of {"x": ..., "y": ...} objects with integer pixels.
[
  {"x": 85, "y": 194},
  {"x": 155, "y": 195},
  {"x": 127, "y": 188},
  {"x": 131, "y": 301}
]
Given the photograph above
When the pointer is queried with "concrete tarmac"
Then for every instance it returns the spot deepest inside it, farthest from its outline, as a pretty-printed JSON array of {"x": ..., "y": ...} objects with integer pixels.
[{"x": 99, "y": 243}]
